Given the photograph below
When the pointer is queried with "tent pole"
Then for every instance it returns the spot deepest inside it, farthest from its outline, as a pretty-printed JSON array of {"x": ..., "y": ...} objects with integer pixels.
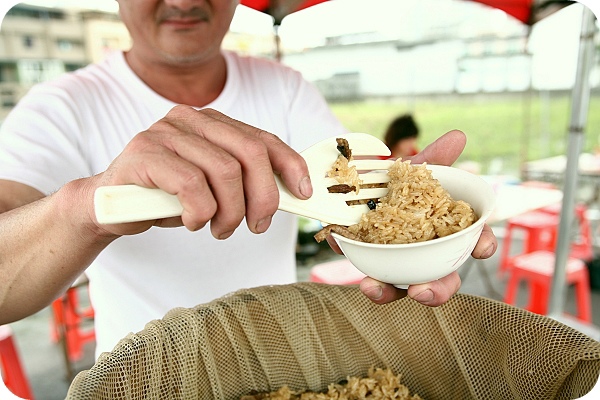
[
  {"x": 579, "y": 110},
  {"x": 277, "y": 42}
]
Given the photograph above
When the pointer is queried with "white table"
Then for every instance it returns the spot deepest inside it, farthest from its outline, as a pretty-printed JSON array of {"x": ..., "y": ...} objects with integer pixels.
[
  {"x": 552, "y": 169},
  {"x": 589, "y": 165},
  {"x": 512, "y": 200}
]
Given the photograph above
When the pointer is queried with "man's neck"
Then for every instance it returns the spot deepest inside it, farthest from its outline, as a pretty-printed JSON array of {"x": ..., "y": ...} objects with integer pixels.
[{"x": 195, "y": 84}]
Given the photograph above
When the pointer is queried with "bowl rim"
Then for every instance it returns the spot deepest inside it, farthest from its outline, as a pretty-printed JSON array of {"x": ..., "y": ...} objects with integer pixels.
[{"x": 476, "y": 225}]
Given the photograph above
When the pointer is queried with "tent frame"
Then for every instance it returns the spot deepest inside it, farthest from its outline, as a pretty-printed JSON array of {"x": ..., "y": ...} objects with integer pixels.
[{"x": 579, "y": 110}]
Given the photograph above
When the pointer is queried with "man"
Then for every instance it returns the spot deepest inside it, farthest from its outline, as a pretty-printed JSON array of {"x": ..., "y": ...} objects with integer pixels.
[{"x": 134, "y": 119}]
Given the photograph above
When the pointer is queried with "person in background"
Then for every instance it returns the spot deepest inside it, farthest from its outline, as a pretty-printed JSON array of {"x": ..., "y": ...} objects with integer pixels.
[
  {"x": 174, "y": 112},
  {"x": 401, "y": 137}
]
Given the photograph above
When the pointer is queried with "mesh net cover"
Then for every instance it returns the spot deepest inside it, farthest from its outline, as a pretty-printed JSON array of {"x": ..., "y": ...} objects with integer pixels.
[{"x": 308, "y": 335}]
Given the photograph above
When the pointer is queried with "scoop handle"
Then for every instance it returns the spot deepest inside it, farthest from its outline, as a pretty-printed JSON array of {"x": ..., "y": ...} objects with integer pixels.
[{"x": 132, "y": 203}]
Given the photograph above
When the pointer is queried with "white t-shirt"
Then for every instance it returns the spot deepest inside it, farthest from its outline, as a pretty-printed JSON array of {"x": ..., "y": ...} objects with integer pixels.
[{"x": 75, "y": 126}]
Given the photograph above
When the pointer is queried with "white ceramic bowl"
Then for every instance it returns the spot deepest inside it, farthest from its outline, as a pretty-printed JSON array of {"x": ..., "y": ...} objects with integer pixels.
[{"x": 408, "y": 264}]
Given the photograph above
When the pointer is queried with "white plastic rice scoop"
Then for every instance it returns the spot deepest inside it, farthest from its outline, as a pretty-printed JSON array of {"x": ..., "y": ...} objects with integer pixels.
[{"x": 131, "y": 203}]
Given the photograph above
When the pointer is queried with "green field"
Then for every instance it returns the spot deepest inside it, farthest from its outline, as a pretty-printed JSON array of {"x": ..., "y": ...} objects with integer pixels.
[{"x": 503, "y": 130}]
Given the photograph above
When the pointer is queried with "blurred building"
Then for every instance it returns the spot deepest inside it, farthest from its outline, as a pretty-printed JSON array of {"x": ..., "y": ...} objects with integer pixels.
[
  {"x": 40, "y": 43},
  {"x": 480, "y": 52},
  {"x": 391, "y": 68},
  {"x": 473, "y": 54}
]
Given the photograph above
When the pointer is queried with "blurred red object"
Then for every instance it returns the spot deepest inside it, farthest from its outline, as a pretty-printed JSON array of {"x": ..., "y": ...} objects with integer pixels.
[{"x": 11, "y": 369}]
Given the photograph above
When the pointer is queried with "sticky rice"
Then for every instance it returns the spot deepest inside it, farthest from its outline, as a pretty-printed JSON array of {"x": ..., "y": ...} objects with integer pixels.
[
  {"x": 416, "y": 208},
  {"x": 379, "y": 384}
]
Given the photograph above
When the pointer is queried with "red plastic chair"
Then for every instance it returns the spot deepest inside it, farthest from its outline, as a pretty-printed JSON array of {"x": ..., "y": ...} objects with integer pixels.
[
  {"x": 582, "y": 246},
  {"x": 67, "y": 323},
  {"x": 540, "y": 229},
  {"x": 13, "y": 374},
  {"x": 537, "y": 270},
  {"x": 339, "y": 272}
]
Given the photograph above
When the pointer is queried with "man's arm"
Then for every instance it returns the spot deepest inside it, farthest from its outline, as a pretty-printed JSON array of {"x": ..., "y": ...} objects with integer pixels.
[
  {"x": 45, "y": 246},
  {"x": 220, "y": 169}
]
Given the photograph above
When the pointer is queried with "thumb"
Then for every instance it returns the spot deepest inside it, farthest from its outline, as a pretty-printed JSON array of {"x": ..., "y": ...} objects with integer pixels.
[{"x": 444, "y": 151}]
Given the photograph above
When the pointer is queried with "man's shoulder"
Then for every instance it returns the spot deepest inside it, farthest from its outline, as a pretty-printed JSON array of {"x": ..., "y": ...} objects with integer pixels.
[
  {"x": 108, "y": 68},
  {"x": 90, "y": 78}
]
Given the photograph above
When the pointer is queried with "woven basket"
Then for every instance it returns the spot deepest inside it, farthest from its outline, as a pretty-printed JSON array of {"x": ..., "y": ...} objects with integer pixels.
[{"x": 308, "y": 335}]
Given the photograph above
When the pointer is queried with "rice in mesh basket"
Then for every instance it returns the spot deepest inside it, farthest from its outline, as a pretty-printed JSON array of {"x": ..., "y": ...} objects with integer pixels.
[
  {"x": 417, "y": 208},
  {"x": 379, "y": 384}
]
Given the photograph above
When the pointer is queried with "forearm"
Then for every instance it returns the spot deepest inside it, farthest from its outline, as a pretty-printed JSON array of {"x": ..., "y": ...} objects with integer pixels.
[{"x": 45, "y": 246}]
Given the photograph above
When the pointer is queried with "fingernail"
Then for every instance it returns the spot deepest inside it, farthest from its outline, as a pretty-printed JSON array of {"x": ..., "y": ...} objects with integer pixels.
[
  {"x": 225, "y": 235},
  {"x": 424, "y": 297},
  {"x": 374, "y": 292},
  {"x": 263, "y": 225},
  {"x": 306, "y": 187}
]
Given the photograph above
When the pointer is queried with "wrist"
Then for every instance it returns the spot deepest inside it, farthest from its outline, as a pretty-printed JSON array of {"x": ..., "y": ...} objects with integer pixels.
[{"x": 75, "y": 203}]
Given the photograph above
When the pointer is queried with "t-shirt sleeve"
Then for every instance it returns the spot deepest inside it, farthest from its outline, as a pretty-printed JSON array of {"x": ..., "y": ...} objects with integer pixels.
[{"x": 40, "y": 141}]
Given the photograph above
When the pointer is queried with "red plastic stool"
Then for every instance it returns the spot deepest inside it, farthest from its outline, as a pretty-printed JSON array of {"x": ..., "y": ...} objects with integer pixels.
[
  {"x": 540, "y": 229},
  {"x": 68, "y": 318},
  {"x": 537, "y": 269},
  {"x": 10, "y": 365},
  {"x": 582, "y": 246},
  {"x": 339, "y": 272},
  {"x": 555, "y": 209}
]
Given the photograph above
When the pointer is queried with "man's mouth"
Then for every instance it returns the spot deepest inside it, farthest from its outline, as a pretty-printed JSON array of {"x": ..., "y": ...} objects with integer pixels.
[
  {"x": 184, "y": 20},
  {"x": 183, "y": 23}
]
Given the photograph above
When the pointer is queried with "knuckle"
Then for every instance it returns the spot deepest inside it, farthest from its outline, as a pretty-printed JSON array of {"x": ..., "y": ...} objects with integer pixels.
[
  {"x": 157, "y": 130},
  {"x": 228, "y": 169},
  {"x": 254, "y": 147},
  {"x": 142, "y": 142},
  {"x": 179, "y": 111},
  {"x": 267, "y": 138},
  {"x": 210, "y": 112},
  {"x": 192, "y": 182}
]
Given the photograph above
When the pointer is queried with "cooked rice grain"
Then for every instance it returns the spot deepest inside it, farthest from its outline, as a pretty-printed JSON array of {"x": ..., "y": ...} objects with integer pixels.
[
  {"x": 345, "y": 174},
  {"x": 379, "y": 384},
  {"x": 417, "y": 208}
]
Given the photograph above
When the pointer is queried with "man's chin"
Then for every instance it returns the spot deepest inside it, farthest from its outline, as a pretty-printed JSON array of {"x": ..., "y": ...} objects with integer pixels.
[{"x": 186, "y": 56}]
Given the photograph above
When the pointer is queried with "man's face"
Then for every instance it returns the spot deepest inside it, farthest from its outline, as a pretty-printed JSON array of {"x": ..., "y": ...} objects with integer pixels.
[{"x": 177, "y": 31}]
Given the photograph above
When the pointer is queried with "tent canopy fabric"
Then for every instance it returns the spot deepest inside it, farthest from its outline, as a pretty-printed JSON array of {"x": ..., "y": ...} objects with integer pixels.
[
  {"x": 279, "y": 9},
  {"x": 520, "y": 9},
  {"x": 527, "y": 11}
]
